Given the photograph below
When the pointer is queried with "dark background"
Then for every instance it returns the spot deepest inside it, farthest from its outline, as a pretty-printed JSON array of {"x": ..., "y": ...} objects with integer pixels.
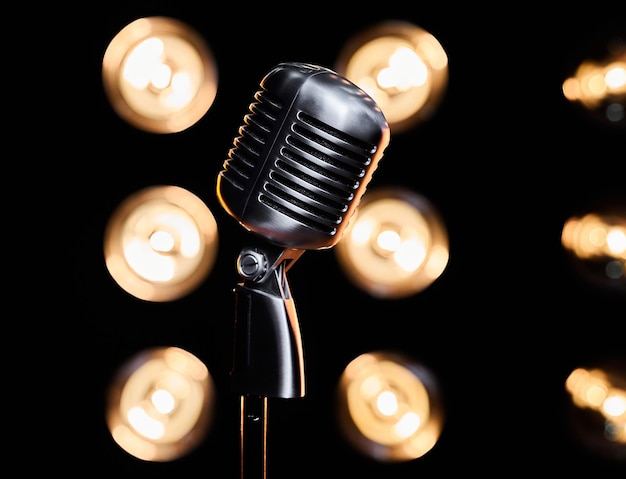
[{"x": 505, "y": 159}]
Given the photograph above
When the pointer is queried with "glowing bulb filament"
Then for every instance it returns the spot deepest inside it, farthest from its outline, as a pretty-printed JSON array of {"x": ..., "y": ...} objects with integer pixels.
[
  {"x": 615, "y": 405},
  {"x": 388, "y": 240},
  {"x": 406, "y": 70},
  {"x": 182, "y": 91},
  {"x": 144, "y": 65},
  {"x": 410, "y": 255},
  {"x": 615, "y": 78},
  {"x": 163, "y": 401},
  {"x": 387, "y": 403},
  {"x": 162, "y": 241},
  {"x": 407, "y": 425},
  {"x": 145, "y": 425},
  {"x": 616, "y": 242}
]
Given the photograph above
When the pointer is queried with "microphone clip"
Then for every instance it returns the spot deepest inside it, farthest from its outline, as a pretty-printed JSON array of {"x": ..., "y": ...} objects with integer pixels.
[
  {"x": 268, "y": 354},
  {"x": 254, "y": 263}
]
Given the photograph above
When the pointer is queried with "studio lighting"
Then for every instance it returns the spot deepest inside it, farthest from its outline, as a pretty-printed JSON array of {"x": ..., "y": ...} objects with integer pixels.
[
  {"x": 402, "y": 66},
  {"x": 389, "y": 406},
  {"x": 598, "y": 407},
  {"x": 396, "y": 245},
  {"x": 599, "y": 84},
  {"x": 160, "y": 404},
  {"x": 160, "y": 243},
  {"x": 159, "y": 75},
  {"x": 595, "y": 243}
]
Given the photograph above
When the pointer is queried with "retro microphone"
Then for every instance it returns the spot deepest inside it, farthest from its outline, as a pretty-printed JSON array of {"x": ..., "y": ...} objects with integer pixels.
[{"x": 296, "y": 173}]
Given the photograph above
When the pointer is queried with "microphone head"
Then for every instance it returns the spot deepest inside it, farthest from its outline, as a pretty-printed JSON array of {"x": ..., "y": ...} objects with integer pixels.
[{"x": 303, "y": 158}]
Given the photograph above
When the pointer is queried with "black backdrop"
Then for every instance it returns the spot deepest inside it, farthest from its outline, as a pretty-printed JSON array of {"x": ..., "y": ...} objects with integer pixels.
[{"x": 503, "y": 159}]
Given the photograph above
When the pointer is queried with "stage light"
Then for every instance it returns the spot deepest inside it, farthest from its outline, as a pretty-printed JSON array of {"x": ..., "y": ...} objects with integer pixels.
[
  {"x": 595, "y": 243},
  {"x": 389, "y": 406},
  {"x": 598, "y": 407},
  {"x": 401, "y": 66},
  {"x": 396, "y": 244},
  {"x": 160, "y": 243},
  {"x": 159, "y": 75},
  {"x": 599, "y": 84},
  {"x": 160, "y": 404}
]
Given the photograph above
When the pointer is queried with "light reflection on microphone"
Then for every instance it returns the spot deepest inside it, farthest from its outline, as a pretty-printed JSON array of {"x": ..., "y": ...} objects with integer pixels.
[
  {"x": 389, "y": 406},
  {"x": 396, "y": 244},
  {"x": 160, "y": 404}
]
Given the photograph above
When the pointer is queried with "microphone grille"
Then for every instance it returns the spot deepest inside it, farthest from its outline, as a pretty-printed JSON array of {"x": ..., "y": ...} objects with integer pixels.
[{"x": 303, "y": 157}]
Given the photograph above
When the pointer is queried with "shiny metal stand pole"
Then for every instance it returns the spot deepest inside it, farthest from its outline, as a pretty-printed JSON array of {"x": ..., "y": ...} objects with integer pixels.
[{"x": 253, "y": 437}]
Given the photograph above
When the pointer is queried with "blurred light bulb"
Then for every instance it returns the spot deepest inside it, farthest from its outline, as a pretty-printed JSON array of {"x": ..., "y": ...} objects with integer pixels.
[
  {"x": 395, "y": 245},
  {"x": 389, "y": 407},
  {"x": 160, "y": 243},
  {"x": 598, "y": 407},
  {"x": 599, "y": 85},
  {"x": 159, "y": 75},
  {"x": 160, "y": 404},
  {"x": 401, "y": 66},
  {"x": 596, "y": 244}
]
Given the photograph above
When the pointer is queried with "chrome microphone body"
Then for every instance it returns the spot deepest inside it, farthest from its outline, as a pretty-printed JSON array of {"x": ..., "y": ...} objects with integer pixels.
[
  {"x": 305, "y": 154},
  {"x": 294, "y": 176}
]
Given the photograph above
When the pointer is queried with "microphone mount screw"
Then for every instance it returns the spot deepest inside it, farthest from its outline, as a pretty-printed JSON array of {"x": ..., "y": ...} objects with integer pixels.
[{"x": 251, "y": 264}]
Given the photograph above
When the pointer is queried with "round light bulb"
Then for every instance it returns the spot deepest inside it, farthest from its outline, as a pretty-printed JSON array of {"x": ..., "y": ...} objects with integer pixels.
[
  {"x": 598, "y": 85},
  {"x": 389, "y": 406},
  {"x": 160, "y": 404},
  {"x": 159, "y": 75},
  {"x": 598, "y": 407},
  {"x": 160, "y": 243},
  {"x": 401, "y": 66},
  {"x": 395, "y": 245},
  {"x": 595, "y": 242}
]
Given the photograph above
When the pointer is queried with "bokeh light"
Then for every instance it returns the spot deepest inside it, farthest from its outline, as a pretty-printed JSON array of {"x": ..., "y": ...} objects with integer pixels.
[
  {"x": 401, "y": 66},
  {"x": 160, "y": 404},
  {"x": 598, "y": 407},
  {"x": 396, "y": 244},
  {"x": 389, "y": 406},
  {"x": 160, "y": 243},
  {"x": 159, "y": 75}
]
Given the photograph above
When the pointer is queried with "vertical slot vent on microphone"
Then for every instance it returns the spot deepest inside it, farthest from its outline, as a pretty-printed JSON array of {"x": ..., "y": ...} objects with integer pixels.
[
  {"x": 364, "y": 150},
  {"x": 303, "y": 205},
  {"x": 244, "y": 158},
  {"x": 317, "y": 174},
  {"x": 332, "y": 168},
  {"x": 328, "y": 203},
  {"x": 325, "y": 227}
]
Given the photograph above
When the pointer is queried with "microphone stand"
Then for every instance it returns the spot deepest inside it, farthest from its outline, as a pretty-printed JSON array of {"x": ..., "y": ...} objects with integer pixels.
[{"x": 268, "y": 356}]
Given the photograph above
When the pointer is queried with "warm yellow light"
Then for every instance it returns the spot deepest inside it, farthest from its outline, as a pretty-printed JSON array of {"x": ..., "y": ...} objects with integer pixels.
[
  {"x": 395, "y": 245},
  {"x": 598, "y": 414},
  {"x": 159, "y": 75},
  {"x": 401, "y": 66},
  {"x": 599, "y": 86},
  {"x": 389, "y": 406},
  {"x": 596, "y": 244},
  {"x": 160, "y": 243},
  {"x": 160, "y": 404}
]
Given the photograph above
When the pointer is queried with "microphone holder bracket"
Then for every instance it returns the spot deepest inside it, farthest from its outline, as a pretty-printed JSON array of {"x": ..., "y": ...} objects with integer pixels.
[{"x": 268, "y": 355}]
